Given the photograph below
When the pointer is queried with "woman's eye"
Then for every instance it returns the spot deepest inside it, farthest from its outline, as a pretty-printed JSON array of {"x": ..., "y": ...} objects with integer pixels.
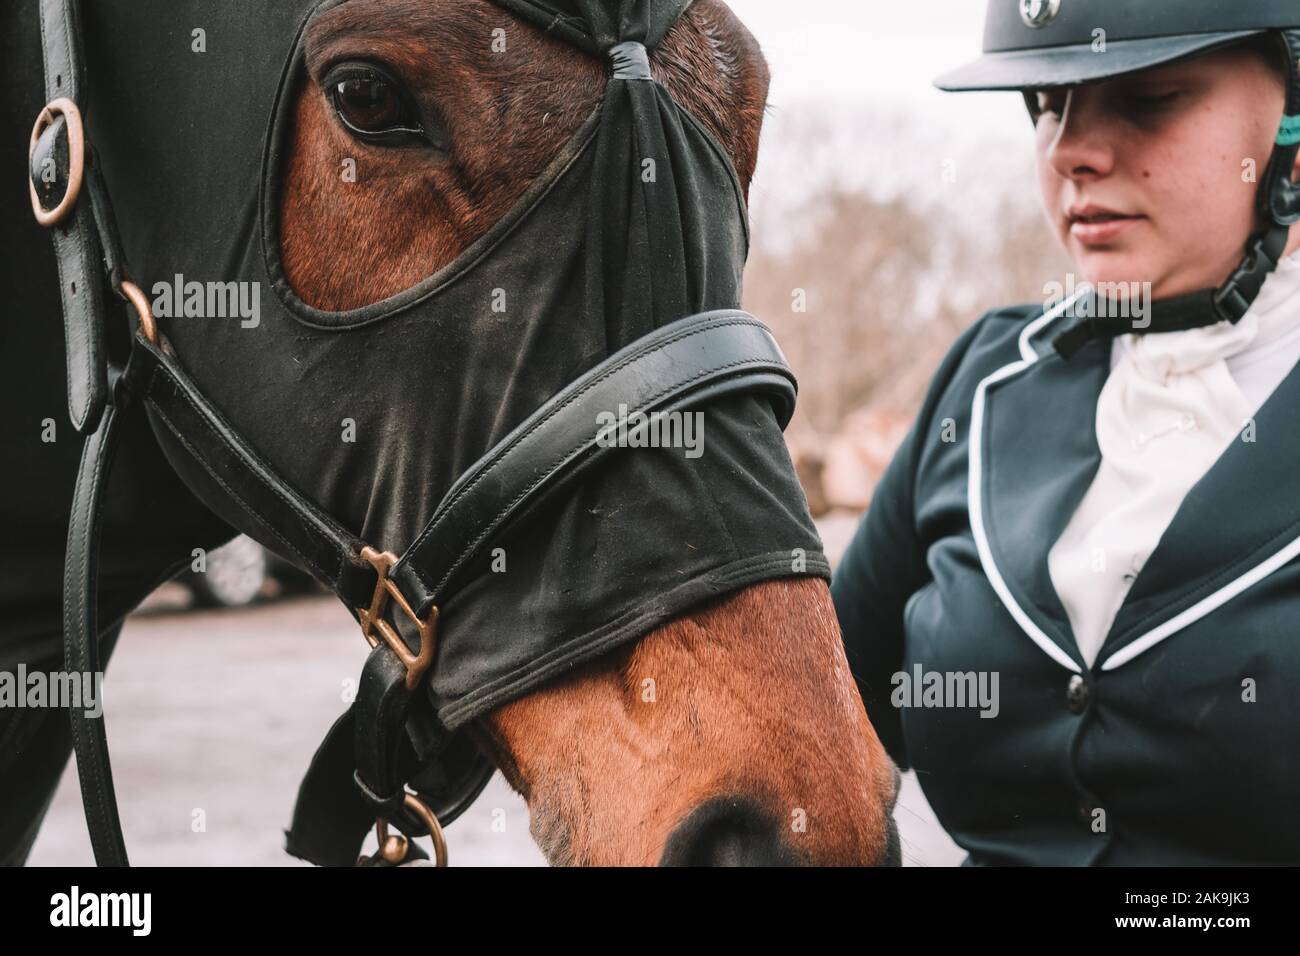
[
  {"x": 373, "y": 107},
  {"x": 1151, "y": 103},
  {"x": 1051, "y": 102}
]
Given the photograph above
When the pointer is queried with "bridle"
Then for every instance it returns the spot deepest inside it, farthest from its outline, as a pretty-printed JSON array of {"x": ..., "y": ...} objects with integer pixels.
[{"x": 390, "y": 738}]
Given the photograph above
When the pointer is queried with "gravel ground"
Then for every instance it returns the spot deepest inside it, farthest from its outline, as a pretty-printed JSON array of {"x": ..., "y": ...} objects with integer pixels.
[{"x": 214, "y": 715}]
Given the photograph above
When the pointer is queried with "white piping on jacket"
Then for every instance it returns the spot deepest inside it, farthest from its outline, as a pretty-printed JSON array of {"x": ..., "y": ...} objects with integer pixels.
[
  {"x": 974, "y": 494},
  {"x": 1202, "y": 607}
]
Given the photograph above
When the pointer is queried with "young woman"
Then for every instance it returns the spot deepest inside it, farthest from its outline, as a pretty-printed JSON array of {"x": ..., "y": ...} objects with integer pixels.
[{"x": 1074, "y": 606}]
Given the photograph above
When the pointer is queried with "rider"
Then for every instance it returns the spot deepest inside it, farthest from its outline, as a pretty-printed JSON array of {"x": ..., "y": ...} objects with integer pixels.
[{"x": 1097, "y": 504}]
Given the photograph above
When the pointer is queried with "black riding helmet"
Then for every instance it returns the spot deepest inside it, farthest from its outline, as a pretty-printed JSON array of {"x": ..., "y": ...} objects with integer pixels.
[{"x": 1031, "y": 45}]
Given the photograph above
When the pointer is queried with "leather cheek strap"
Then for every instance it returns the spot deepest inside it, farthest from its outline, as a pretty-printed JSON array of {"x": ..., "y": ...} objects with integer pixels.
[
  {"x": 78, "y": 239},
  {"x": 302, "y": 530}
]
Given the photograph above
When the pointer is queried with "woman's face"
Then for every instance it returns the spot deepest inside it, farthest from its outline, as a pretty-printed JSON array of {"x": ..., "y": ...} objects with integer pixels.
[{"x": 1146, "y": 178}]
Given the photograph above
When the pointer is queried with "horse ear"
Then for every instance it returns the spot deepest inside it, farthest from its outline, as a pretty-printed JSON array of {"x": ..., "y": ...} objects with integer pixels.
[
  {"x": 748, "y": 79},
  {"x": 713, "y": 66}
]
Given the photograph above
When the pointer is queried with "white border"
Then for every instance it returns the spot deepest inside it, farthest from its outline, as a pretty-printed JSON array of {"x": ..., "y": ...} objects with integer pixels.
[
  {"x": 974, "y": 494},
  {"x": 1202, "y": 607}
]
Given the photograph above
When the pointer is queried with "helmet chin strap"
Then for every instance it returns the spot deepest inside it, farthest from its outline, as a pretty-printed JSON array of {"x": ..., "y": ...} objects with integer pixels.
[
  {"x": 1278, "y": 202},
  {"x": 1105, "y": 317}
]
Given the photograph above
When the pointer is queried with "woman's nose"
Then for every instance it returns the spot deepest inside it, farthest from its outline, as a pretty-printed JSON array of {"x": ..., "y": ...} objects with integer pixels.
[{"x": 1082, "y": 146}]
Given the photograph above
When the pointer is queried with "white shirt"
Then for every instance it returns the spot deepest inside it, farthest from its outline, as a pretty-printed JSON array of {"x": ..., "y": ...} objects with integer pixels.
[{"x": 1171, "y": 405}]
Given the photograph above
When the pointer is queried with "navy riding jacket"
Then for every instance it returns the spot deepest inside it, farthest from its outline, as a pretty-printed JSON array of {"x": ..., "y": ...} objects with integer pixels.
[{"x": 1181, "y": 744}]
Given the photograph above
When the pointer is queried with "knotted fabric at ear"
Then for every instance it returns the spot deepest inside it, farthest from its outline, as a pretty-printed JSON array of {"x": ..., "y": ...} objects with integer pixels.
[
  {"x": 665, "y": 216},
  {"x": 597, "y": 25}
]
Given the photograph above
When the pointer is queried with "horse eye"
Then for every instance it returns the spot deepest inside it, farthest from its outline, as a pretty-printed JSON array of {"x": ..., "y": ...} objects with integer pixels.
[
  {"x": 368, "y": 102},
  {"x": 372, "y": 107}
]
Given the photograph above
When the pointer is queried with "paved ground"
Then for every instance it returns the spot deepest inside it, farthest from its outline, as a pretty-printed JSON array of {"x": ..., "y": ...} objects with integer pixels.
[
  {"x": 214, "y": 715},
  {"x": 218, "y": 713}
]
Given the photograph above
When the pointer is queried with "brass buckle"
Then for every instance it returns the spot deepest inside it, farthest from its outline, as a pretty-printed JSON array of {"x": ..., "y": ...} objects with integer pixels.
[
  {"x": 148, "y": 327},
  {"x": 395, "y": 848},
  {"x": 372, "y": 619},
  {"x": 76, "y": 159}
]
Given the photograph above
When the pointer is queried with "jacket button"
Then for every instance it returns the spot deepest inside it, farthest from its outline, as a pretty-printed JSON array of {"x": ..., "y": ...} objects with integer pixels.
[{"x": 1076, "y": 694}]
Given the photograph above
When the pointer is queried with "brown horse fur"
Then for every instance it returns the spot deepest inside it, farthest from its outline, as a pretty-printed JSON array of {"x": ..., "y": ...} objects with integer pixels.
[
  {"x": 749, "y": 699},
  {"x": 413, "y": 210}
]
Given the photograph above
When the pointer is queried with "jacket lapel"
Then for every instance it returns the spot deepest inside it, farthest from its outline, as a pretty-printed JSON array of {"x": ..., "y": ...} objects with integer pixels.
[
  {"x": 1037, "y": 457},
  {"x": 1237, "y": 524}
]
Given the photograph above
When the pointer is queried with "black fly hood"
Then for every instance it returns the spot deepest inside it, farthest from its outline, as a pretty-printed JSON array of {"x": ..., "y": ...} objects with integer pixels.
[{"x": 565, "y": 438}]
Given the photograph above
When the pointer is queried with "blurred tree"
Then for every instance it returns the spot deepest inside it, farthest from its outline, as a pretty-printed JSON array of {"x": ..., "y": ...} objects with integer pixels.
[{"x": 892, "y": 241}]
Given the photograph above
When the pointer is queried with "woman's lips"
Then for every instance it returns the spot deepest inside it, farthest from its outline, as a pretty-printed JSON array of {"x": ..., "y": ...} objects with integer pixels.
[{"x": 1096, "y": 227}]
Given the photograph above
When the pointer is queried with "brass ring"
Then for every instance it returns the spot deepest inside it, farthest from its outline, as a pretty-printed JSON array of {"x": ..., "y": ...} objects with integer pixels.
[
  {"x": 148, "y": 327},
  {"x": 76, "y": 159},
  {"x": 416, "y": 806}
]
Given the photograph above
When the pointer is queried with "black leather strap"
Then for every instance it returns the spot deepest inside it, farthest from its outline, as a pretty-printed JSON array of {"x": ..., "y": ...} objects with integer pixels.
[
  {"x": 332, "y": 818},
  {"x": 318, "y": 542},
  {"x": 383, "y": 752},
  {"x": 329, "y": 827},
  {"x": 76, "y": 239},
  {"x": 87, "y": 253},
  {"x": 81, "y": 640},
  {"x": 61, "y": 49}
]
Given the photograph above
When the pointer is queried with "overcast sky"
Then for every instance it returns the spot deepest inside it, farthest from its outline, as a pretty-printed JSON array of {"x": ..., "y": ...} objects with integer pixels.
[
  {"x": 868, "y": 51},
  {"x": 864, "y": 70}
]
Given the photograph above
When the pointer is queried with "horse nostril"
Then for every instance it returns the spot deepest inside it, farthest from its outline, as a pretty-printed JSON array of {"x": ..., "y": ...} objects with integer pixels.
[{"x": 727, "y": 831}]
